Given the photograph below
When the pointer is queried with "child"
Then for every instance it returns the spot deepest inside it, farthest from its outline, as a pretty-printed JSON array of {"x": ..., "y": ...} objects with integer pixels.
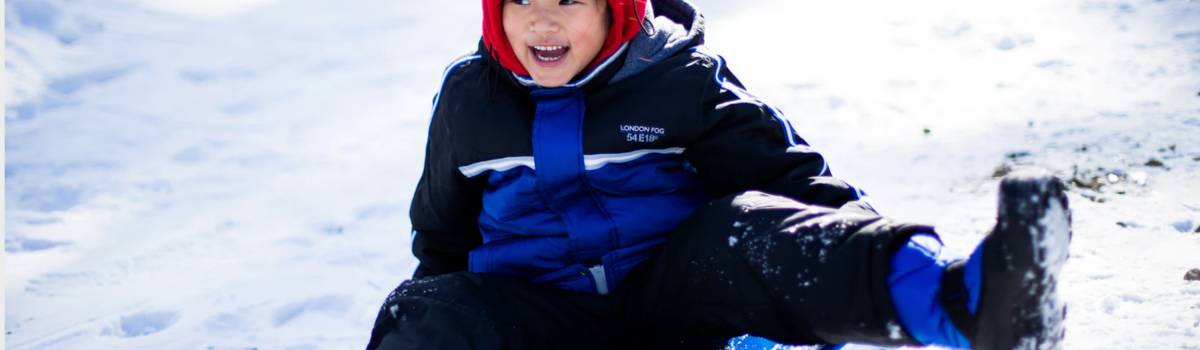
[{"x": 595, "y": 178}]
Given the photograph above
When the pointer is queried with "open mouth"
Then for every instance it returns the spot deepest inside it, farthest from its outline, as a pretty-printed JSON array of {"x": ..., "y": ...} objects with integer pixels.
[{"x": 549, "y": 54}]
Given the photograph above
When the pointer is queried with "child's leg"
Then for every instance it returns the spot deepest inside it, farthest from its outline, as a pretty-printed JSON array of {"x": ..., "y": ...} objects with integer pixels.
[
  {"x": 772, "y": 267},
  {"x": 471, "y": 311},
  {"x": 798, "y": 274}
]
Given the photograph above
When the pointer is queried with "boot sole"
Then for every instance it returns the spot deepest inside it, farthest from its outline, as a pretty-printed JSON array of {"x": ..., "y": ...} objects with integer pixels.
[{"x": 1025, "y": 255}]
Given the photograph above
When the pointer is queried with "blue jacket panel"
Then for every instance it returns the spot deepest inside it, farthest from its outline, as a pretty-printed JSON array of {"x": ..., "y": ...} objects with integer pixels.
[{"x": 578, "y": 221}]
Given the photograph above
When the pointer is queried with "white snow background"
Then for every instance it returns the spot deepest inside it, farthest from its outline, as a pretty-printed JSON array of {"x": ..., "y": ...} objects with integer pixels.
[{"x": 236, "y": 174}]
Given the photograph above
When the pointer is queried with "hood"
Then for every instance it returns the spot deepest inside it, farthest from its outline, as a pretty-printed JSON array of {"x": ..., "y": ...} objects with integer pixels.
[{"x": 670, "y": 26}]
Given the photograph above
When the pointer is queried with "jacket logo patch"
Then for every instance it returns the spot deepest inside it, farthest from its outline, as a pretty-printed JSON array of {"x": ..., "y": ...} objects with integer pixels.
[{"x": 642, "y": 133}]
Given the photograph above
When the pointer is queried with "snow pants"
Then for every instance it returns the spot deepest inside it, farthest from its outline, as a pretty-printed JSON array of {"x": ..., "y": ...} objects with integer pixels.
[{"x": 750, "y": 263}]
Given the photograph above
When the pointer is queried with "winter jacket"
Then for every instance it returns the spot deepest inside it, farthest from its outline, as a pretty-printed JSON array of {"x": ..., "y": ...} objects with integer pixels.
[{"x": 575, "y": 186}]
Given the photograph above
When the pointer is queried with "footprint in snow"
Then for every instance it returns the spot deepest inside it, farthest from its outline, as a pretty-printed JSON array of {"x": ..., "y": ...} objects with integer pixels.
[
  {"x": 144, "y": 323},
  {"x": 19, "y": 245},
  {"x": 1183, "y": 226}
]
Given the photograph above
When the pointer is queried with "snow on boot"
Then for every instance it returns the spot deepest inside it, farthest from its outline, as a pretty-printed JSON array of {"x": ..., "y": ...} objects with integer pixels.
[{"x": 1015, "y": 303}]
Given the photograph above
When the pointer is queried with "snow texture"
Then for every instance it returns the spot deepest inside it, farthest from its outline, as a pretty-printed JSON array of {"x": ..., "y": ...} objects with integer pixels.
[{"x": 236, "y": 174}]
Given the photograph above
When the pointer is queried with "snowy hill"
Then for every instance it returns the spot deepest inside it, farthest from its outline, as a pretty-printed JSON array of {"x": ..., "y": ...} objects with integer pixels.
[{"x": 236, "y": 174}]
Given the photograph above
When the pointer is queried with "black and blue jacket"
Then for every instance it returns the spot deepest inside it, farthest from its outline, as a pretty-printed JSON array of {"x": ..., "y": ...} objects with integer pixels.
[{"x": 575, "y": 186}]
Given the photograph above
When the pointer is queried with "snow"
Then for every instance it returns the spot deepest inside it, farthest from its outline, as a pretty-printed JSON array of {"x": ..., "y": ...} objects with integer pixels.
[{"x": 236, "y": 174}]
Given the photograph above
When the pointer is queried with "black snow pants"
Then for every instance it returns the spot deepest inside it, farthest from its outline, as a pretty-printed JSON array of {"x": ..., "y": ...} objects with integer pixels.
[{"x": 746, "y": 264}]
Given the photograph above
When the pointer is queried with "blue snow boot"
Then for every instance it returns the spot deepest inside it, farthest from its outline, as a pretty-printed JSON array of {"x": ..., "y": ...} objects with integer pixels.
[{"x": 1004, "y": 296}]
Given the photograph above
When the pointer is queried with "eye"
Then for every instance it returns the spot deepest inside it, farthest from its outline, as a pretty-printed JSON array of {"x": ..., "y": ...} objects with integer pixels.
[
  {"x": 519, "y": 2},
  {"x": 568, "y": 2}
]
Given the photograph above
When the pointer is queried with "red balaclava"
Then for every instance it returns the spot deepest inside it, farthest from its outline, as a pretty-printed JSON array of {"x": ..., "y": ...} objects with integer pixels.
[{"x": 627, "y": 18}]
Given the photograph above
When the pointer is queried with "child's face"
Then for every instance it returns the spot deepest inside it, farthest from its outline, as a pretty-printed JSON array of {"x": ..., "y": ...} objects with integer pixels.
[{"x": 555, "y": 39}]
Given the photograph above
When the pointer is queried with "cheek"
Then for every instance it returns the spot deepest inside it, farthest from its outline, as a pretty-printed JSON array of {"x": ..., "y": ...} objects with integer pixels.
[
  {"x": 591, "y": 36},
  {"x": 513, "y": 31}
]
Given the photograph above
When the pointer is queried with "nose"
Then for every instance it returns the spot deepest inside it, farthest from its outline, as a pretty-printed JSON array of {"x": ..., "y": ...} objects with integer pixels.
[{"x": 545, "y": 20}]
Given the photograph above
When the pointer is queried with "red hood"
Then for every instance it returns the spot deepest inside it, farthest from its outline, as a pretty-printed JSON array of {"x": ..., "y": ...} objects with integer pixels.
[{"x": 627, "y": 18}]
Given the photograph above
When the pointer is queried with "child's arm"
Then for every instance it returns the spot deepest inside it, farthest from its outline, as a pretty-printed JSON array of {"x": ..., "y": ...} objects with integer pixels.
[
  {"x": 750, "y": 146},
  {"x": 445, "y": 208}
]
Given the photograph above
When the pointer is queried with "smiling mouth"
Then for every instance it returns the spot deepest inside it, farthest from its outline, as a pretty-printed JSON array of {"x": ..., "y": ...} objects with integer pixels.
[{"x": 549, "y": 54}]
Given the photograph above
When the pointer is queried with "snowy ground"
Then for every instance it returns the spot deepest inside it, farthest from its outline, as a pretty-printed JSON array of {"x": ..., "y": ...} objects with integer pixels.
[{"x": 236, "y": 174}]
